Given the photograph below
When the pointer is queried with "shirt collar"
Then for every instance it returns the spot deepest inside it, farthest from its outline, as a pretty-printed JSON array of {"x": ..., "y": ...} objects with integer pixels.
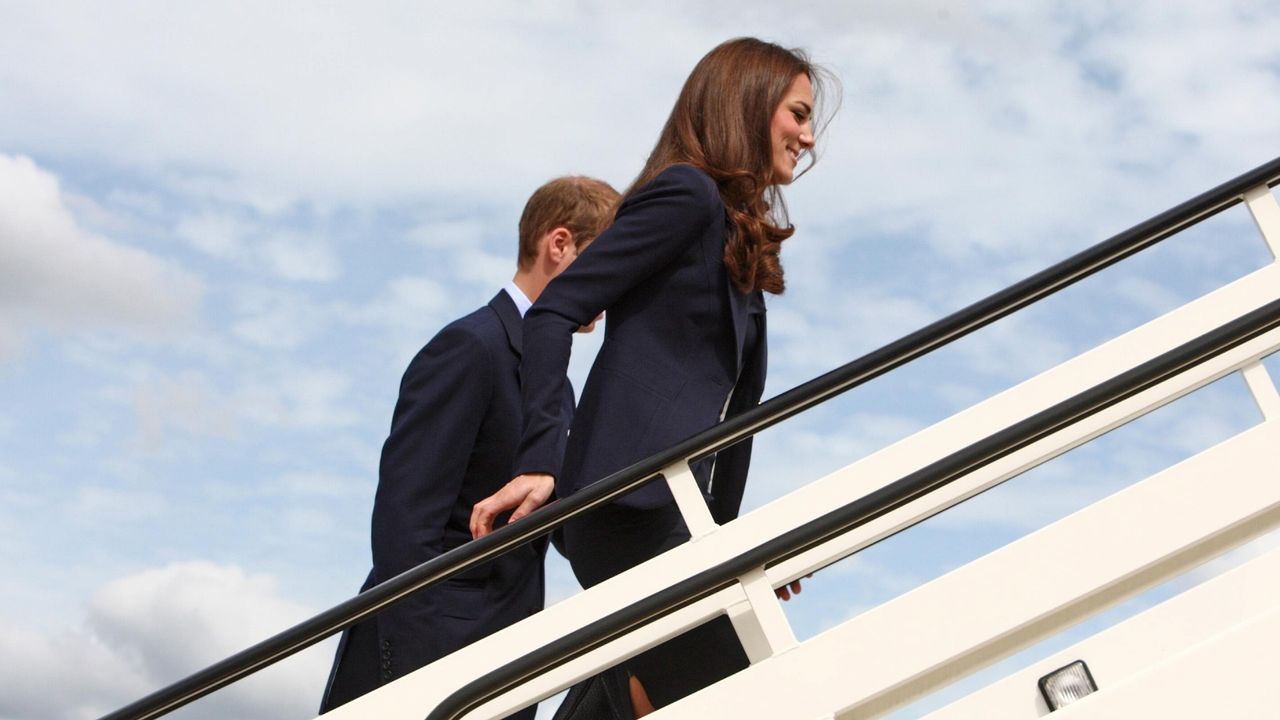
[{"x": 523, "y": 303}]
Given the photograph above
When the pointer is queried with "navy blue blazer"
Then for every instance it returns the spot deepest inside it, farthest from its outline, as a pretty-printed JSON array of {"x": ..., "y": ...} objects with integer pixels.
[
  {"x": 672, "y": 353},
  {"x": 452, "y": 443}
]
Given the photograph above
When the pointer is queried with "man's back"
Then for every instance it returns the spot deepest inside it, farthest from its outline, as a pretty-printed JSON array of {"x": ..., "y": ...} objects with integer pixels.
[{"x": 452, "y": 443}]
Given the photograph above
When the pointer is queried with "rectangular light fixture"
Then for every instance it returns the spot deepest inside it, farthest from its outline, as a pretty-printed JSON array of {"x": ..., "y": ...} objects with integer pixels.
[{"x": 1067, "y": 684}]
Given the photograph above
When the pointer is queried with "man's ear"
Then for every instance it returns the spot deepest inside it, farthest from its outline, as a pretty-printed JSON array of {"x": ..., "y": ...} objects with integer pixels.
[{"x": 559, "y": 242}]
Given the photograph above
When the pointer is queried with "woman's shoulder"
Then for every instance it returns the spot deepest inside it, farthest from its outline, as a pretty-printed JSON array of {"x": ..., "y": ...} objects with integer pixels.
[
  {"x": 694, "y": 177},
  {"x": 692, "y": 185}
]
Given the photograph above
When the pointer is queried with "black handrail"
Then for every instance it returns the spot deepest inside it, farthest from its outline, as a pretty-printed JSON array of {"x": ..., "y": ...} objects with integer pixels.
[
  {"x": 714, "y": 439},
  {"x": 865, "y": 509}
]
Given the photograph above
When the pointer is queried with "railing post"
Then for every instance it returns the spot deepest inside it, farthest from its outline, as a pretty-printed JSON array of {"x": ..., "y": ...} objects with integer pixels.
[
  {"x": 1263, "y": 389},
  {"x": 762, "y": 626},
  {"x": 1266, "y": 213},
  {"x": 697, "y": 517}
]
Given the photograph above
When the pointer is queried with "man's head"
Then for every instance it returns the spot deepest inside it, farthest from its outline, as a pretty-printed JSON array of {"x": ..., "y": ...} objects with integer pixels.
[{"x": 560, "y": 219}]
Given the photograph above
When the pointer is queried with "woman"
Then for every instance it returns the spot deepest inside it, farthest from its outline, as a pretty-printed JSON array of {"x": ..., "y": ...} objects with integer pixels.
[{"x": 681, "y": 274}]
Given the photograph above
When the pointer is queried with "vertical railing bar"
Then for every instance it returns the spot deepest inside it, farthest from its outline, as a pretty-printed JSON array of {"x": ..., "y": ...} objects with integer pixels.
[
  {"x": 693, "y": 507},
  {"x": 1266, "y": 214},
  {"x": 762, "y": 626},
  {"x": 1263, "y": 389}
]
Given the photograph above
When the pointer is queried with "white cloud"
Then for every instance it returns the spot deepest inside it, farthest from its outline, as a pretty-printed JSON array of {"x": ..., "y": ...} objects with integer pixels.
[
  {"x": 66, "y": 675},
  {"x": 95, "y": 502},
  {"x": 321, "y": 484},
  {"x": 806, "y": 448},
  {"x": 155, "y": 627},
  {"x": 1016, "y": 347},
  {"x": 971, "y": 120},
  {"x": 814, "y": 329},
  {"x": 302, "y": 521},
  {"x": 299, "y": 397},
  {"x": 298, "y": 109},
  {"x": 12, "y": 342},
  {"x": 1057, "y": 489},
  {"x": 1003, "y": 133},
  {"x": 187, "y": 402},
  {"x": 189, "y": 411},
  {"x": 218, "y": 234},
  {"x": 451, "y": 234},
  {"x": 406, "y": 312},
  {"x": 459, "y": 245},
  {"x": 287, "y": 254},
  {"x": 1152, "y": 298},
  {"x": 294, "y": 256},
  {"x": 846, "y": 589},
  {"x": 277, "y": 319},
  {"x": 191, "y": 404},
  {"x": 53, "y": 271}
]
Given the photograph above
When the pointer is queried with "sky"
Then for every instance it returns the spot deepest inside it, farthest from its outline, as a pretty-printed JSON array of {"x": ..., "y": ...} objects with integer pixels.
[{"x": 225, "y": 228}]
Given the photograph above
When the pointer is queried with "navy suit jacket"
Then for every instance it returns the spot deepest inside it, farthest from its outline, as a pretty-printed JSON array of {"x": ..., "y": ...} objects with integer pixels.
[
  {"x": 672, "y": 353},
  {"x": 452, "y": 443}
]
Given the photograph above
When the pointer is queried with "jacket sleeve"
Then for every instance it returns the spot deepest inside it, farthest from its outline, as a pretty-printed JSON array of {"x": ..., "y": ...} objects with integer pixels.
[
  {"x": 653, "y": 227},
  {"x": 442, "y": 401}
]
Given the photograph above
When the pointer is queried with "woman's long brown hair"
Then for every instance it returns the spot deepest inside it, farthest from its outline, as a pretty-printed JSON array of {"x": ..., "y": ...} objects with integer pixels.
[{"x": 720, "y": 124}]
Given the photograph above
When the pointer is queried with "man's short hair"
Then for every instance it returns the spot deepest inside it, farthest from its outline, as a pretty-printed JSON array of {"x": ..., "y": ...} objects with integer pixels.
[{"x": 582, "y": 205}]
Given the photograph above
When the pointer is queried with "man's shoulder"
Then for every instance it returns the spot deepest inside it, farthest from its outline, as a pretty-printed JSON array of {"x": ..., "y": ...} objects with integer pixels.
[
  {"x": 478, "y": 334},
  {"x": 481, "y": 325}
]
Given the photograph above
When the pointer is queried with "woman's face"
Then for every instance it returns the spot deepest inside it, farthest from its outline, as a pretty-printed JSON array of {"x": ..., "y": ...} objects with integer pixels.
[{"x": 790, "y": 129}]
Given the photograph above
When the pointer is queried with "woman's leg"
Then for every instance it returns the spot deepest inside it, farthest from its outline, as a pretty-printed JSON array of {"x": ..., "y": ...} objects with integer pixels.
[
  {"x": 615, "y": 538},
  {"x": 639, "y": 698}
]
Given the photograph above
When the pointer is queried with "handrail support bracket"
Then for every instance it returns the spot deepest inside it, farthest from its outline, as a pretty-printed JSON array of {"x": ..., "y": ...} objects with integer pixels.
[
  {"x": 1266, "y": 214},
  {"x": 697, "y": 516},
  {"x": 1263, "y": 389},
  {"x": 762, "y": 626}
]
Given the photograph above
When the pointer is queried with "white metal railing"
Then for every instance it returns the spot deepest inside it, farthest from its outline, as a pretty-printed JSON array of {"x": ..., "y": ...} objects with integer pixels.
[
  {"x": 756, "y": 619},
  {"x": 1026, "y": 591},
  {"x": 897, "y": 672}
]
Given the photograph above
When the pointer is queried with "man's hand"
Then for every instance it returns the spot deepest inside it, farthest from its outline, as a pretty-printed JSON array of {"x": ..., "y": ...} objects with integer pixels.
[{"x": 525, "y": 493}]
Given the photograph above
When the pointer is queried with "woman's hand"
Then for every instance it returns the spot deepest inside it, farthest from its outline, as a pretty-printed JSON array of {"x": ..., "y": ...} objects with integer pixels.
[{"x": 525, "y": 493}]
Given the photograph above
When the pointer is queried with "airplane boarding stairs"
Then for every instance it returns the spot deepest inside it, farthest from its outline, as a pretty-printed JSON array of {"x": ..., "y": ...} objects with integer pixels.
[{"x": 1209, "y": 652}]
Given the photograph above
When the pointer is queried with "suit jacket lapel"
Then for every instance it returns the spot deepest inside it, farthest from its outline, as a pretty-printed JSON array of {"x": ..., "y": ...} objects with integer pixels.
[
  {"x": 738, "y": 310},
  {"x": 505, "y": 307}
]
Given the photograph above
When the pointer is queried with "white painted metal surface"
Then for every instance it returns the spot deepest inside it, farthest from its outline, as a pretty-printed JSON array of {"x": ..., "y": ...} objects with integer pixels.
[
  {"x": 1129, "y": 649},
  {"x": 1232, "y": 675},
  {"x": 916, "y": 643},
  {"x": 1263, "y": 389}
]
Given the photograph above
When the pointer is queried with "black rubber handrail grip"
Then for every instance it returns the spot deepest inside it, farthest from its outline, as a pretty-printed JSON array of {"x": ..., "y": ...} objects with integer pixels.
[
  {"x": 714, "y": 439},
  {"x": 865, "y": 509}
]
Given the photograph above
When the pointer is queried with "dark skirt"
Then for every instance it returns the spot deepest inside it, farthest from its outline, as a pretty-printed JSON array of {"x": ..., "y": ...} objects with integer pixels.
[{"x": 609, "y": 540}]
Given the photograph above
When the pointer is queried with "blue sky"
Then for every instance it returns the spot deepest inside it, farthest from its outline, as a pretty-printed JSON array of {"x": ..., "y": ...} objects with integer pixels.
[{"x": 225, "y": 228}]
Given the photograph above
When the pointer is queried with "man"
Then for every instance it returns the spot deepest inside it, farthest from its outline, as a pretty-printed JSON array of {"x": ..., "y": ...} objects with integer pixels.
[{"x": 452, "y": 443}]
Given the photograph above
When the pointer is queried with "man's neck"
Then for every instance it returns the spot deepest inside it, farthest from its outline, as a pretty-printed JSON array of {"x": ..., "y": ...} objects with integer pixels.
[{"x": 530, "y": 283}]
